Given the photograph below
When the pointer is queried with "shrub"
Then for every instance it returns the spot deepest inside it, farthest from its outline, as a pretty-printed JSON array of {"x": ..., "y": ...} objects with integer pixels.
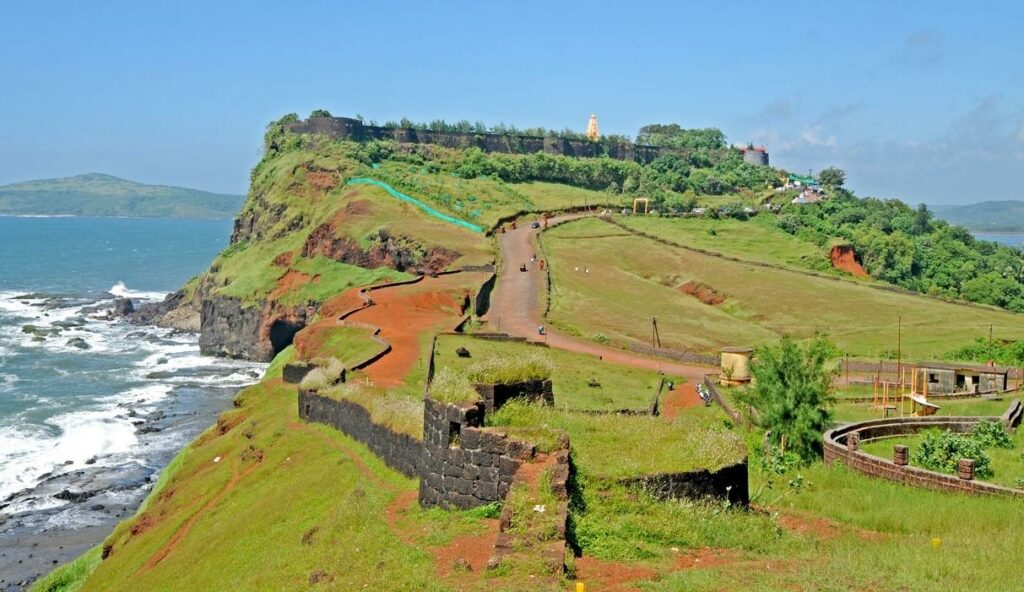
[
  {"x": 450, "y": 386},
  {"x": 599, "y": 338},
  {"x": 323, "y": 376},
  {"x": 991, "y": 434},
  {"x": 792, "y": 393},
  {"x": 942, "y": 451},
  {"x": 511, "y": 369}
]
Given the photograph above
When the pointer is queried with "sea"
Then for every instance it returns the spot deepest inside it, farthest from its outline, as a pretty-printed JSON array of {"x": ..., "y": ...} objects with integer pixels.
[
  {"x": 1010, "y": 239},
  {"x": 91, "y": 409}
]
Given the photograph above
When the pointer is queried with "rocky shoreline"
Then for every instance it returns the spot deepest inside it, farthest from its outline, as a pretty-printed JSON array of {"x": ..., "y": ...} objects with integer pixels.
[{"x": 73, "y": 507}]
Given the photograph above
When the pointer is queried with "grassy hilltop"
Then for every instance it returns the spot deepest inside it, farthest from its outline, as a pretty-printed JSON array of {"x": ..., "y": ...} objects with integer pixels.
[
  {"x": 263, "y": 500},
  {"x": 95, "y": 194}
]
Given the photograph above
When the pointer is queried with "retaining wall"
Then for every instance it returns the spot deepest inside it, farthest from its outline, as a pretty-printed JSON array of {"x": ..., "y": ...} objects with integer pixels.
[
  {"x": 729, "y": 483},
  {"x": 838, "y": 449},
  {"x": 401, "y": 452}
]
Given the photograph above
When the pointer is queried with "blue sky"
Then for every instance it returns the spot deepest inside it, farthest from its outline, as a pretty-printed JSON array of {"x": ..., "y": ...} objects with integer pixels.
[{"x": 921, "y": 101}]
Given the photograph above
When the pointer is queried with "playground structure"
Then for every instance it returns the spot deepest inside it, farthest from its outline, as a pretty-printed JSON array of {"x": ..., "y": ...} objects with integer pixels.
[
  {"x": 911, "y": 395},
  {"x": 641, "y": 200}
]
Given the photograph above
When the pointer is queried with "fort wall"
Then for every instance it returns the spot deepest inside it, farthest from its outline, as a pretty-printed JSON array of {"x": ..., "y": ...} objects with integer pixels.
[{"x": 345, "y": 128}]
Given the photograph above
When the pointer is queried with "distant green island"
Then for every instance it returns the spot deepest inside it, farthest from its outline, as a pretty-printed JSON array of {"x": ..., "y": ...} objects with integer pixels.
[
  {"x": 96, "y": 194},
  {"x": 988, "y": 216}
]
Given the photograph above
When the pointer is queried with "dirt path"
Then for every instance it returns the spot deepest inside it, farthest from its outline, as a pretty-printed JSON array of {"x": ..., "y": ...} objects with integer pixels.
[
  {"x": 682, "y": 397},
  {"x": 518, "y": 302},
  {"x": 406, "y": 313}
]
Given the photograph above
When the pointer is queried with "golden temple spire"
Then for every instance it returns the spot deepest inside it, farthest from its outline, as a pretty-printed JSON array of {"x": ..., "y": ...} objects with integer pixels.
[{"x": 592, "y": 132}]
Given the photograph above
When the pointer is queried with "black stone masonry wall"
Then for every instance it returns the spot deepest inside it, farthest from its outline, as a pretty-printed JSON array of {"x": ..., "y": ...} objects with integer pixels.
[
  {"x": 465, "y": 465},
  {"x": 401, "y": 452}
]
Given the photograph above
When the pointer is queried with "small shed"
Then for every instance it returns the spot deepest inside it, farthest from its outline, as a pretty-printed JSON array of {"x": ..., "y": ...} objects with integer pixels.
[
  {"x": 735, "y": 364},
  {"x": 952, "y": 378}
]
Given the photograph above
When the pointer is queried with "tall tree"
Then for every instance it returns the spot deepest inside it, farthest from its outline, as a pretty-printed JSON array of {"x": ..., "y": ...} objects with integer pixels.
[
  {"x": 832, "y": 177},
  {"x": 792, "y": 393}
]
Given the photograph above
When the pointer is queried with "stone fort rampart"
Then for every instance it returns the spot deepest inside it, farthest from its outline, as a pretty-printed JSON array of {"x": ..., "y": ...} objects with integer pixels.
[{"x": 345, "y": 128}]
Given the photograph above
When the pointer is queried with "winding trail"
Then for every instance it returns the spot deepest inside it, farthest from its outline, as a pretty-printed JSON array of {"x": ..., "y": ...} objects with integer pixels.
[{"x": 518, "y": 301}]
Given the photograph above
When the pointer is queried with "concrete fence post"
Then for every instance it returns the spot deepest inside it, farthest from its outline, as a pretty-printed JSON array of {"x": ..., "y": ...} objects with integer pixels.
[{"x": 900, "y": 455}]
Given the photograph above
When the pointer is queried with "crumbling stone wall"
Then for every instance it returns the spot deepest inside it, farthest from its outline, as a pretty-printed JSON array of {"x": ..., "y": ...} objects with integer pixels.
[
  {"x": 464, "y": 464},
  {"x": 730, "y": 482},
  {"x": 496, "y": 395}
]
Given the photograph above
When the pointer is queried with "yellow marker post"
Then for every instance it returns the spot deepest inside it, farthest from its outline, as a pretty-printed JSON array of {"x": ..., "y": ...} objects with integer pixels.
[{"x": 581, "y": 587}]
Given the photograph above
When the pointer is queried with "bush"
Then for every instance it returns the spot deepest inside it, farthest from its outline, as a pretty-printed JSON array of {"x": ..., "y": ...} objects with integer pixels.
[
  {"x": 511, "y": 369},
  {"x": 991, "y": 434},
  {"x": 451, "y": 386},
  {"x": 323, "y": 376},
  {"x": 942, "y": 451}
]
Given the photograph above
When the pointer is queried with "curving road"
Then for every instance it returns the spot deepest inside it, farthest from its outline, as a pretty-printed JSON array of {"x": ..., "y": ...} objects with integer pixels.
[{"x": 518, "y": 302}]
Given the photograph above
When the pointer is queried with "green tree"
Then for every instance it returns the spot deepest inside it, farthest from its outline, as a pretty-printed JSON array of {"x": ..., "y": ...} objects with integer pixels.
[
  {"x": 792, "y": 393},
  {"x": 320, "y": 113},
  {"x": 922, "y": 220},
  {"x": 832, "y": 177}
]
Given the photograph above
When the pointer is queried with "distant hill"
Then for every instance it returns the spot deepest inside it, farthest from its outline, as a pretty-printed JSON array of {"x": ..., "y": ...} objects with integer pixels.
[
  {"x": 96, "y": 194},
  {"x": 992, "y": 216}
]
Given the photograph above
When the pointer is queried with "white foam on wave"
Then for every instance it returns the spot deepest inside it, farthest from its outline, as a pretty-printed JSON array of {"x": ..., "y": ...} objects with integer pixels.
[
  {"x": 29, "y": 453},
  {"x": 121, "y": 291},
  {"x": 101, "y": 428}
]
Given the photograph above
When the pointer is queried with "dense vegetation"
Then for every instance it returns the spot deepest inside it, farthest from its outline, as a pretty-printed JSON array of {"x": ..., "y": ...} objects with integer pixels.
[
  {"x": 96, "y": 194},
  {"x": 908, "y": 247},
  {"x": 1009, "y": 353}
]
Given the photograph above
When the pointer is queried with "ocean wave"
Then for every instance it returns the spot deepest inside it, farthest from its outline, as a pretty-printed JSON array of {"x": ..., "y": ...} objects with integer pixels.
[
  {"x": 81, "y": 435},
  {"x": 122, "y": 291}
]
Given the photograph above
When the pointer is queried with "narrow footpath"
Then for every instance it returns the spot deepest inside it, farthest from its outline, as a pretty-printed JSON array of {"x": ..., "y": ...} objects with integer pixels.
[{"x": 518, "y": 302}]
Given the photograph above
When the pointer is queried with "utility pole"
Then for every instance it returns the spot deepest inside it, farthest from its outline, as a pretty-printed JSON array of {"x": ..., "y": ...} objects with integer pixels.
[
  {"x": 899, "y": 348},
  {"x": 655, "y": 337}
]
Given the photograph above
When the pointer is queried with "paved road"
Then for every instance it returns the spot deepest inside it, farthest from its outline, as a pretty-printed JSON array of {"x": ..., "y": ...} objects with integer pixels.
[{"x": 518, "y": 301}]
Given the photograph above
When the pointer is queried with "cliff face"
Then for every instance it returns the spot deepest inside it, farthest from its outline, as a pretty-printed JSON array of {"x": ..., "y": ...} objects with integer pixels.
[
  {"x": 300, "y": 238},
  {"x": 229, "y": 329}
]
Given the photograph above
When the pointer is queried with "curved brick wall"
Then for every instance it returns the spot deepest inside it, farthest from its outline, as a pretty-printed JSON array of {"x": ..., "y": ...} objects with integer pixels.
[{"x": 837, "y": 449}]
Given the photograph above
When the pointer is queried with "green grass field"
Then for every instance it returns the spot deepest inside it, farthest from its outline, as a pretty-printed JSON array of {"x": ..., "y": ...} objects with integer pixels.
[
  {"x": 312, "y": 502},
  {"x": 485, "y": 200},
  {"x": 758, "y": 239},
  {"x": 620, "y": 387},
  {"x": 608, "y": 281},
  {"x": 845, "y": 531},
  {"x": 623, "y": 446},
  {"x": 846, "y": 412}
]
